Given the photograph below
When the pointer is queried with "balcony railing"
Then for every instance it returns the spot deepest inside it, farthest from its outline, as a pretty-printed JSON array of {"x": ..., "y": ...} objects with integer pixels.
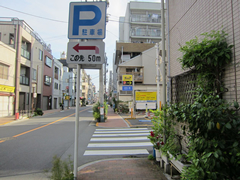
[
  {"x": 25, "y": 54},
  {"x": 146, "y": 32},
  {"x": 24, "y": 80},
  {"x": 138, "y": 76},
  {"x": 154, "y": 18}
]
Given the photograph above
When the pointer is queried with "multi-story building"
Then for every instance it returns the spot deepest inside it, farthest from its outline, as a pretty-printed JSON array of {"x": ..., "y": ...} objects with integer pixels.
[
  {"x": 141, "y": 24},
  {"x": 138, "y": 60},
  {"x": 69, "y": 87},
  {"x": 7, "y": 79},
  {"x": 48, "y": 78},
  {"x": 57, "y": 83},
  {"x": 29, "y": 58}
]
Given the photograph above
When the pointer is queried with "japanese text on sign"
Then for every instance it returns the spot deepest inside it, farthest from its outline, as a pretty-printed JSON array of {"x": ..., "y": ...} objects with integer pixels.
[
  {"x": 127, "y": 77},
  {"x": 146, "y": 96}
]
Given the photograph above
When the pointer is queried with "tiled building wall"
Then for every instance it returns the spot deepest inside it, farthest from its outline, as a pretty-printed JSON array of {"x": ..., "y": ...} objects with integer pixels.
[{"x": 190, "y": 18}]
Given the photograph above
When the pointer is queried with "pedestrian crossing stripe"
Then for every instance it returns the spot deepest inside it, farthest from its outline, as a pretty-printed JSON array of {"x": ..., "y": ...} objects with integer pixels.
[
  {"x": 133, "y": 144},
  {"x": 124, "y": 129},
  {"x": 122, "y": 134},
  {"x": 99, "y": 132},
  {"x": 120, "y": 139},
  {"x": 116, "y": 152}
]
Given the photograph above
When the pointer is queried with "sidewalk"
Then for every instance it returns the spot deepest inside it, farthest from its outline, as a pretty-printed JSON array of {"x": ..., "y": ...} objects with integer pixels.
[
  {"x": 123, "y": 168},
  {"x": 9, "y": 119}
]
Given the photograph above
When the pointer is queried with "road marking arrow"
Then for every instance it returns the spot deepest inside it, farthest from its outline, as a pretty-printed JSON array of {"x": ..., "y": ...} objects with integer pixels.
[{"x": 77, "y": 48}]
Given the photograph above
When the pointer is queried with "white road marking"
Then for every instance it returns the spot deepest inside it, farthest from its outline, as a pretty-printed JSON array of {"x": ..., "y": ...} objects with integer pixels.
[
  {"x": 115, "y": 135},
  {"x": 116, "y": 152},
  {"x": 133, "y": 144},
  {"x": 120, "y": 139},
  {"x": 99, "y": 132}
]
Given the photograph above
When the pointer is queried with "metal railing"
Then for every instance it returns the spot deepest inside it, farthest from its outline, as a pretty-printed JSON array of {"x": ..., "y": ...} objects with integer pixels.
[
  {"x": 154, "y": 18},
  {"x": 146, "y": 32},
  {"x": 25, "y": 53}
]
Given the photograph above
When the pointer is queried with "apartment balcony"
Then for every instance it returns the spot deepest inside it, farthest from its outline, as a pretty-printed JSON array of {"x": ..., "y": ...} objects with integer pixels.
[
  {"x": 146, "y": 33},
  {"x": 24, "y": 80},
  {"x": 145, "y": 19},
  {"x": 25, "y": 54},
  {"x": 138, "y": 76}
]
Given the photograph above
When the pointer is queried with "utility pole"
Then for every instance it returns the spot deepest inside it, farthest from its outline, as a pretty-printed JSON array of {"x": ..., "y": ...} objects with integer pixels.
[
  {"x": 163, "y": 60},
  {"x": 157, "y": 59}
]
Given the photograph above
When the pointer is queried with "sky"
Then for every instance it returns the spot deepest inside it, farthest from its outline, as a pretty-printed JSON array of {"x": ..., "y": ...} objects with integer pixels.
[{"x": 49, "y": 19}]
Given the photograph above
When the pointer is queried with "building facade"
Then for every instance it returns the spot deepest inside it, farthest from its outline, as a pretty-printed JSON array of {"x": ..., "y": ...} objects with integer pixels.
[
  {"x": 57, "y": 84},
  {"x": 141, "y": 23},
  {"x": 7, "y": 79},
  {"x": 28, "y": 68}
]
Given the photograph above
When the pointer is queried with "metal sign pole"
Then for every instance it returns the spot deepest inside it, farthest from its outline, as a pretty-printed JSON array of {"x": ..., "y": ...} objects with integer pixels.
[{"x": 76, "y": 124}]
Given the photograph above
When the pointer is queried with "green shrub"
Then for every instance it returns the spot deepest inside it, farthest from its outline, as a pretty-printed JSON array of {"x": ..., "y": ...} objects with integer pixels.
[
  {"x": 38, "y": 111},
  {"x": 62, "y": 170}
]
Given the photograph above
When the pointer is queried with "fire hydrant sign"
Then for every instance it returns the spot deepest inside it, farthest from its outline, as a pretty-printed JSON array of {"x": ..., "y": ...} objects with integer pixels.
[{"x": 90, "y": 52}]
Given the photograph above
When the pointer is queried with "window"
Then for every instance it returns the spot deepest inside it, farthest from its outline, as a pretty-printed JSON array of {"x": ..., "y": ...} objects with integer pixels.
[
  {"x": 40, "y": 54},
  {"x": 59, "y": 86},
  {"x": 34, "y": 74},
  {"x": 11, "y": 39},
  {"x": 48, "y": 61},
  {"x": 47, "y": 80},
  {"x": 27, "y": 94},
  {"x": 3, "y": 71},
  {"x": 55, "y": 85},
  {"x": 83, "y": 87},
  {"x": 56, "y": 73},
  {"x": 130, "y": 70}
]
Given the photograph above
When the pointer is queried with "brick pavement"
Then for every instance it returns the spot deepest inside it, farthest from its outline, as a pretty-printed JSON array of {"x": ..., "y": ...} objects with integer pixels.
[
  {"x": 122, "y": 169},
  {"x": 113, "y": 120}
]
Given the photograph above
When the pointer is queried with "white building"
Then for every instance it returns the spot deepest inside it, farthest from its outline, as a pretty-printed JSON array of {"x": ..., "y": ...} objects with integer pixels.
[
  {"x": 141, "y": 24},
  {"x": 57, "y": 84}
]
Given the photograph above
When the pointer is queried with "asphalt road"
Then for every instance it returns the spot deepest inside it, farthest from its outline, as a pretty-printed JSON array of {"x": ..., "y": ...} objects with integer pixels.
[{"x": 30, "y": 144}]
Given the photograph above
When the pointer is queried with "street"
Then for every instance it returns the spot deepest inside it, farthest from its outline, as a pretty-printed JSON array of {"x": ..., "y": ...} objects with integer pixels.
[{"x": 28, "y": 146}]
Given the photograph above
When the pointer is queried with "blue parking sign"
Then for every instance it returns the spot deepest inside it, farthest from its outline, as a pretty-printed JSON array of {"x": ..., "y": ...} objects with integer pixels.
[
  {"x": 127, "y": 88},
  {"x": 87, "y": 20}
]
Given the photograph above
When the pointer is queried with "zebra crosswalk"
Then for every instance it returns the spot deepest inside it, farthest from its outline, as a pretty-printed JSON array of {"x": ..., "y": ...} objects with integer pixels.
[{"x": 127, "y": 141}]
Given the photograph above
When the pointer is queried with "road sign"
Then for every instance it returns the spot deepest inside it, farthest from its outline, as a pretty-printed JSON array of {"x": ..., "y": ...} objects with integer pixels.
[
  {"x": 87, "y": 20},
  {"x": 127, "y": 77},
  {"x": 90, "y": 52},
  {"x": 127, "y": 82},
  {"x": 127, "y": 88}
]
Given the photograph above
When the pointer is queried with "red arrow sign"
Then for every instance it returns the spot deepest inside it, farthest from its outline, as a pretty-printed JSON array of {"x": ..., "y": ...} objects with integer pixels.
[{"x": 77, "y": 48}]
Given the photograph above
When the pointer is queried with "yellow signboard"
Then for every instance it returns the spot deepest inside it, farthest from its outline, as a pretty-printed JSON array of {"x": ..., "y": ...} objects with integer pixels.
[
  {"x": 7, "y": 88},
  {"x": 146, "y": 96},
  {"x": 127, "y": 77},
  {"x": 67, "y": 97}
]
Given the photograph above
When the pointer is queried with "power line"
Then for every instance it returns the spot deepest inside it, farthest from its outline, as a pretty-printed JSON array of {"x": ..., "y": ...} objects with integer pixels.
[
  {"x": 34, "y": 15},
  {"x": 49, "y": 18}
]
